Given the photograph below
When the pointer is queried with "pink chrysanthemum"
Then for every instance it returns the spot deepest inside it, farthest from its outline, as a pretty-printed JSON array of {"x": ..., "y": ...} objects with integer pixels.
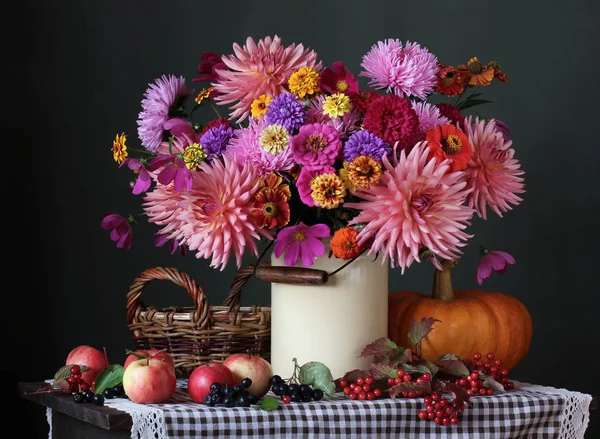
[
  {"x": 245, "y": 148},
  {"x": 429, "y": 116},
  {"x": 257, "y": 69},
  {"x": 215, "y": 216},
  {"x": 416, "y": 204},
  {"x": 166, "y": 92},
  {"x": 493, "y": 175},
  {"x": 410, "y": 70}
]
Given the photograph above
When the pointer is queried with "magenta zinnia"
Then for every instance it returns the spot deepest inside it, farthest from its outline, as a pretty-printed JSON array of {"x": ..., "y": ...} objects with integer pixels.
[
  {"x": 215, "y": 216},
  {"x": 493, "y": 174},
  {"x": 301, "y": 242},
  {"x": 256, "y": 69},
  {"x": 416, "y": 204}
]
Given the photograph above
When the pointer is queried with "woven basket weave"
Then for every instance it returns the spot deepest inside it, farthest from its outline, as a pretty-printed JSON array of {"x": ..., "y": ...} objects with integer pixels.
[{"x": 200, "y": 334}]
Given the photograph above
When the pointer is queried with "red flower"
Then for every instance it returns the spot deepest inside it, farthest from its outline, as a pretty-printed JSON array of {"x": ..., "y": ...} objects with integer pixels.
[
  {"x": 215, "y": 123},
  {"x": 210, "y": 62},
  {"x": 451, "y": 112},
  {"x": 393, "y": 119},
  {"x": 450, "y": 81},
  {"x": 338, "y": 80},
  {"x": 363, "y": 99},
  {"x": 448, "y": 142}
]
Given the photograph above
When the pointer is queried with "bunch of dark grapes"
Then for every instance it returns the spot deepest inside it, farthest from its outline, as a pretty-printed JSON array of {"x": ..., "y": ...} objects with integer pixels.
[
  {"x": 440, "y": 410},
  {"x": 293, "y": 391},
  {"x": 490, "y": 366},
  {"x": 231, "y": 396},
  {"x": 99, "y": 398},
  {"x": 361, "y": 389}
]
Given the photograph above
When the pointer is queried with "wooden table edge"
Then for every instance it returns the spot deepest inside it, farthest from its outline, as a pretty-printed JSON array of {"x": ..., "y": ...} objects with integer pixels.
[{"x": 107, "y": 418}]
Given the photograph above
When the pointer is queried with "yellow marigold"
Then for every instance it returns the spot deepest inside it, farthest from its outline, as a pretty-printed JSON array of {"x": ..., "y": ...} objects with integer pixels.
[
  {"x": 343, "y": 243},
  {"x": 364, "y": 172},
  {"x": 204, "y": 94},
  {"x": 259, "y": 105},
  {"x": 336, "y": 105},
  {"x": 328, "y": 190},
  {"x": 304, "y": 81},
  {"x": 274, "y": 139},
  {"x": 119, "y": 149},
  {"x": 193, "y": 156}
]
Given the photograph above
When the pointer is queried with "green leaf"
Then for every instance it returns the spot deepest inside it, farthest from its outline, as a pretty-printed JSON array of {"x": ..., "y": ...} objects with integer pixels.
[
  {"x": 433, "y": 369},
  {"x": 448, "y": 357},
  {"x": 472, "y": 102},
  {"x": 319, "y": 376},
  {"x": 61, "y": 375},
  {"x": 268, "y": 403},
  {"x": 381, "y": 370},
  {"x": 410, "y": 368},
  {"x": 109, "y": 377},
  {"x": 419, "y": 330},
  {"x": 491, "y": 383},
  {"x": 454, "y": 367}
]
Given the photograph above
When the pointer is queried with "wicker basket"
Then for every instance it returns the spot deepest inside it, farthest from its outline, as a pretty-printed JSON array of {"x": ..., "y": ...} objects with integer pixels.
[{"x": 200, "y": 334}]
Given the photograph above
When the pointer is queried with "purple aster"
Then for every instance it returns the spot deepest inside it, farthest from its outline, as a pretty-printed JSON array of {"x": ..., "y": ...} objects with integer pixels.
[
  {"x": 429, "y": 116},
  {"x": 215, "y": 141},
  {"x": 409, "y": 70},
  {"x": 159, "y": 98},
  {"x": 365, "y": 143},
  {"x": 301, "y": 242},
  {"x": 285, "y": 110}
]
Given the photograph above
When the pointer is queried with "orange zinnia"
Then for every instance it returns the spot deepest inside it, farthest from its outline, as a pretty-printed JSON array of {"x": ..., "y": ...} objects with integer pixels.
[
  {"x": 447, "y": 142},
  {"x": 343, "y": 244},
  {"x": 271, "y": 209},
  {"x": 476, "y": 73}
]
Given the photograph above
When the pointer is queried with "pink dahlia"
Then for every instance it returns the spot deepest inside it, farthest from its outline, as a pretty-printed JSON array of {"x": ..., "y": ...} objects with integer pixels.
[
  {"x": 429, "y": 116},
  {"x": 493, "y": 174},
  {"x": 259, "y": 68},
  {"x": 409, "y": 70},
  {"x": 393, "y": 119},
  {"x": 166, "y": 92},
  {"x": 215, "y": 216},
  {"x": 417, "y": 204},
  {"x": 245, "y": 148}
]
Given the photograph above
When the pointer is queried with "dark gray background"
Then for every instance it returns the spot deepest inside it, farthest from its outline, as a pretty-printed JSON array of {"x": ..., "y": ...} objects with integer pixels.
[{"x": 82, "y": 70}]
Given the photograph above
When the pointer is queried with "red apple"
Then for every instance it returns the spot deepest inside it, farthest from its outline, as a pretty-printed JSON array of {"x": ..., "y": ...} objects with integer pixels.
[
  {"x": 91, "y": 357},
  {"x": 203, "y": 376},
  {"x": 147, "y": 353},
  {"x": 149, "y": 381},
  {"x": 254, "y": 367}
]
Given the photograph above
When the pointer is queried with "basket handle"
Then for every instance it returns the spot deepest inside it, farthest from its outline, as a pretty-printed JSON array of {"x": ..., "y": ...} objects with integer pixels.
[{"x": 134, "y": 303}]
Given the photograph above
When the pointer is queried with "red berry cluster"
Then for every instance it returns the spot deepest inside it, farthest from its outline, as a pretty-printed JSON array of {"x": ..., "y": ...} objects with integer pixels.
[
  {"x": 440, "y": 410},
  {"x": 488, "y": 365},
  {"x": 404, "y": 377},
  {"x": 361, "y": 389},
  {"x": 76, "y": 383}
]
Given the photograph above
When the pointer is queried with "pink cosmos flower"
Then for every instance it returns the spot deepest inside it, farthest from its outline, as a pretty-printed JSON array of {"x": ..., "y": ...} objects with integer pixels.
[
  {"x": 120, "y": 229},
  {"x": 256, "y": 69},
  {"x": 301, "y": 242},
  {"x": 316, "y": 145},
  {"x": 493, "y": 260},
  {"x": 143, "y": 180},
  {"x": 173, "y": 170},
  {"x": 417, "y": 203},
  {"x": 162, "y": 239},
  {"x": 493, "y": 174}
]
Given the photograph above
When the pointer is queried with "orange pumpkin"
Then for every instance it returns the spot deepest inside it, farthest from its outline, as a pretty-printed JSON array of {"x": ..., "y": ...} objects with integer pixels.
[{"x": 469, "y": 321}]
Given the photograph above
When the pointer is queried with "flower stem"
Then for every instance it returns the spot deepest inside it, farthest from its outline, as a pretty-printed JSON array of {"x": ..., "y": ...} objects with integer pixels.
[
  {"x": 214, "y": 107},
  {"x": 442, "y": 282}
]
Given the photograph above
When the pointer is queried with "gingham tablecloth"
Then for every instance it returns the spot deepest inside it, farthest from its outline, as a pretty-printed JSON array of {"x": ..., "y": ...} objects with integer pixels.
[{"x": 528, "y": 411}]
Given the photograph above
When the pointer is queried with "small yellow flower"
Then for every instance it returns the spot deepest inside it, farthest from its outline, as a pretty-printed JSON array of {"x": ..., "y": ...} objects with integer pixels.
[
  {"x": 204, "y": 94},
  {"x": 304, "y": 81},
  {"x": 259, "y": 105},
  {"x": 193, "y": 156},
  {"x": 119, "y": 149},
  {"x": 364, "y": 172},
  {"x": 328, "y": 190},
  {"x": 274, "y": 139},
  {"x": 345, "y": 177},
  {"x": 336, "y": 105}
]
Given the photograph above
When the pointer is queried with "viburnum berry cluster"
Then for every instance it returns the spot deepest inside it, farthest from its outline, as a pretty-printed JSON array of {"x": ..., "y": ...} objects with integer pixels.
[
  {"x": 440, "y": 410},
  {"x": 363, "y": 388}
]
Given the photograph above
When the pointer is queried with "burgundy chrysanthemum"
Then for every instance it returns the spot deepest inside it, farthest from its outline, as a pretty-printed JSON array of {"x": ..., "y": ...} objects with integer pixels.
[{"x": 393, "y": 119}]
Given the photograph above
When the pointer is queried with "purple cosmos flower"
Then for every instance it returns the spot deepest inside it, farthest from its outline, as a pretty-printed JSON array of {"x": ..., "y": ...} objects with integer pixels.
[
  {"x": 285, "y": 110},
  {"x": 180, "y": 127},
  {"x": 301, "y": 242},
  {"x": 165, "y": 92},
  {"x": 215, "y": 141},
  {"x": 493, "y": 260},
  {"x": 120, "y": 229},
  {"x": 143, "y": 181},
  {"x": 316, "y": 145},
  {"x": 174, "y": 170},
  {"x": 162, "y": 239},
  {"x": 365, "y": 143}
]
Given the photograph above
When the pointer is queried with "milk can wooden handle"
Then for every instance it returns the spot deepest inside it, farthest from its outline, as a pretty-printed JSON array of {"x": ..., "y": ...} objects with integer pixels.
[{"x": 291, "y": 275}]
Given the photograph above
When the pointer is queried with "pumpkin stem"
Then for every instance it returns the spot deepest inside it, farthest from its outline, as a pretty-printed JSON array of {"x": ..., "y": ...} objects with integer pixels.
[{"x": 442, "y": 282}]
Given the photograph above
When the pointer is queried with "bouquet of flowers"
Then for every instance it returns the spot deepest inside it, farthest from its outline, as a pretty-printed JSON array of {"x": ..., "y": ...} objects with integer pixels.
[{"x": 304, "y": 153}]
